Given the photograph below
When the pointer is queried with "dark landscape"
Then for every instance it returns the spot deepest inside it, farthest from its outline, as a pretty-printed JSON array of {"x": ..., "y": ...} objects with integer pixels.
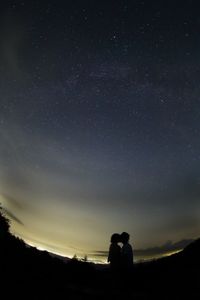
[{"x": 32, "y": 274}]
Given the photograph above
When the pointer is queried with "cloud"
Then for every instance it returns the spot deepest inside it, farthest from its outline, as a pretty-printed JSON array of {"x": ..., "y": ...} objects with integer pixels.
[
  {"x": 169, "y": 246},
  {"x": 11, "y": 43},
  {"x": 163, "y": 249},
  {"x": 13, "y": 201},
  {"x": 13, "y": 217}
]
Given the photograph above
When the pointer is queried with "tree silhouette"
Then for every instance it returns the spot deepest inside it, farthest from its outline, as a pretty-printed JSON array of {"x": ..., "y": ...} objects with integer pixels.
[
  {"x": 4, "y": 223},
  {"x": 85, "y": 258},
  {"x": 75, "y": 257}
]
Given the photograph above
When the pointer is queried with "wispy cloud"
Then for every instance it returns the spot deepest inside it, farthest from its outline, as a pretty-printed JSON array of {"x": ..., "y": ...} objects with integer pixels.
[
  {"x": 13, "y": 217},
  {"x": 169, "y": 246},
  {"x": 163, "y": 249}
]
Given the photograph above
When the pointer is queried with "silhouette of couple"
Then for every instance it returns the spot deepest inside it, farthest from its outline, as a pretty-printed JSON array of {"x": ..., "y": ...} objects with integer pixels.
[{"x": 120, "y": 258}]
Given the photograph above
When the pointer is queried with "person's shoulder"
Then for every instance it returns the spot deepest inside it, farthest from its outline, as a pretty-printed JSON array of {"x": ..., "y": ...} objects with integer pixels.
[
  {"x": 126, "y": 246},
  {"x": 114, "y": 246},
  {"x": 129, "y": 246}
]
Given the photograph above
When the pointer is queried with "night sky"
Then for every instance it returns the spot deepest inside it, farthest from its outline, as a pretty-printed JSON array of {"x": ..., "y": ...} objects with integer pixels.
[{"x": 100, "y": 123}]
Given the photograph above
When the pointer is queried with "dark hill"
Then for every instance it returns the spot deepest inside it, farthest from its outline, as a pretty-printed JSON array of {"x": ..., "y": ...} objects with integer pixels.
[
  {"x": 192, "y": 251},
  {"x": 28, "y": 273}
]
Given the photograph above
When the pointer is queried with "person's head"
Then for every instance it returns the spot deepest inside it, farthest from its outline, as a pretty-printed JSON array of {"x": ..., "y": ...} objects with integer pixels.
[
  {"x": 115, "y": 238},
  {"x": 124, "y": 237}
]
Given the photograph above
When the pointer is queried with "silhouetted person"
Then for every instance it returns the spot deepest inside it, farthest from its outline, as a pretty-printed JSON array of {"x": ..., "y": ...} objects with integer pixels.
[
  {"x": 126, "y": 253},
  {"x": 114, "y": 256}
]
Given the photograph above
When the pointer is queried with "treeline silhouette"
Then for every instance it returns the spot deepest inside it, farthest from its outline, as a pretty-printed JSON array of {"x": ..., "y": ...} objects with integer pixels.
[{"x": 32, "y": 274}]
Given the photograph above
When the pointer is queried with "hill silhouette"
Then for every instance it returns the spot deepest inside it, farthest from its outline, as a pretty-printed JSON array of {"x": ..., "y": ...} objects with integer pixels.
[{"x": 29, "y": 273}]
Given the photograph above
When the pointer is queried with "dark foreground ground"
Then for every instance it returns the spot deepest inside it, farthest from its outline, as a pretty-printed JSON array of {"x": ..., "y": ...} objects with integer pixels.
[{"x": 27, "y": 273}]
